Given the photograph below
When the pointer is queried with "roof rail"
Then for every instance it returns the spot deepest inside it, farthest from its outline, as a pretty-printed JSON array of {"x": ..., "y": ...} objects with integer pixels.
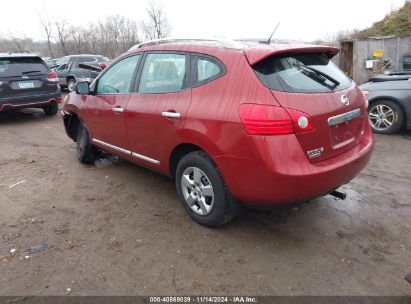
[
  {"x": 224, "y": 42},
  {"x": 13, "y": 52}
]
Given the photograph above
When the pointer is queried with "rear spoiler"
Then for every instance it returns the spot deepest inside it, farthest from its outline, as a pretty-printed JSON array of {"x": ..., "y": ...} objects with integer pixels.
[{"x": 255, "y": 55}]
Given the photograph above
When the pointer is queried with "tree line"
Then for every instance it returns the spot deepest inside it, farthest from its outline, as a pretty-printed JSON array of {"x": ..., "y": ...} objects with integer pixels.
[{"x": 109, "y": 37}]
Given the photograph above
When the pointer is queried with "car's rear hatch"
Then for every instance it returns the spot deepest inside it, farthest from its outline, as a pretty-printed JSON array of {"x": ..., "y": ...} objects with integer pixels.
[
  {"x": 25, "y": 78},
  {"x": 307, "y": 81}
]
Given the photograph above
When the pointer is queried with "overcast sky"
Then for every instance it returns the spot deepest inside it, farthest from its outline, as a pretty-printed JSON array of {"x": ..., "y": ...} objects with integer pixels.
[{"x": 305, "y": 20}]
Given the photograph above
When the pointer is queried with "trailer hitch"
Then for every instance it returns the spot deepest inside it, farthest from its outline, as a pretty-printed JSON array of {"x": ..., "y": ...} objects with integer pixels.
[{"x": 339, "y": 194}]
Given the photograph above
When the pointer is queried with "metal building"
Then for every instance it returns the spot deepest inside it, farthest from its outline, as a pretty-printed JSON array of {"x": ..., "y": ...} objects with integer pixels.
[{"x": 363, "y": 58}]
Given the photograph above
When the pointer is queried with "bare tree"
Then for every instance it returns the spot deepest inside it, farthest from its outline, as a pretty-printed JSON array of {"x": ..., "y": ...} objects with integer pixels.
[
  {"x": 157, "y": 25},
  {"x": 109, "y": 37},
  {"x": 47, "y": 26},
  {"x": 62, "y": 35}
]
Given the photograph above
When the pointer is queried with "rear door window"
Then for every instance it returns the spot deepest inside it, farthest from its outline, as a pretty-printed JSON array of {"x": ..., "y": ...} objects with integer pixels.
[
  {"x": 301, "y": 73},
  {"x": 163, "y": 73},
  {"x": 20, "y": 66}
]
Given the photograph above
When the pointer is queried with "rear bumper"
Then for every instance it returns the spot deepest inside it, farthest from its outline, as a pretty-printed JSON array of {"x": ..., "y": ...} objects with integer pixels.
[
  {"x": 283, "y": 174},
  {"x": 35, "y": 101},
  {"x": 31, "y": 104}
]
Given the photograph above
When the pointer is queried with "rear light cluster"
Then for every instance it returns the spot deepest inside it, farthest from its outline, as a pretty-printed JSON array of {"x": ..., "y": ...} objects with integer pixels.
[
  {"x": 272, "y": 120},
  {"x": 102, "y": 65},
  {"x": 52, "y": 77}
]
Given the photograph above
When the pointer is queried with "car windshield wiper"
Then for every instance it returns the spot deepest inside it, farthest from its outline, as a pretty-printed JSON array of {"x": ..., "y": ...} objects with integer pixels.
[
  {"x": 328, "y": 77},
  {"x": 29, "y": 72},
  {"x": 320, "y": 77}
]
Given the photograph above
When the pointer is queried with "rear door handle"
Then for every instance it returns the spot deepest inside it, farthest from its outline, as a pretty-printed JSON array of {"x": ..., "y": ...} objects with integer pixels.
[
  {"x": 117, "y": 109},
  {"x": 170, "y": 114}
]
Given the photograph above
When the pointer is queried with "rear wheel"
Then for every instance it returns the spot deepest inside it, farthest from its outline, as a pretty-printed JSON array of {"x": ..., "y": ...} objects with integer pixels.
[
  {"x": 84, "y": 148},
  {"x": 202, "y": 190},
  {"x": 71, "y": 82},
  {"x": 51, "y": 109},
  {"x": 386, "y": 117}
]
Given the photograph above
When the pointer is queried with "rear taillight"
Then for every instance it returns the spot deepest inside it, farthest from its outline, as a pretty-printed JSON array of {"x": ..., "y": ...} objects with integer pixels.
[
  {"x": 302, "y": 121},
  {"x": 271, "y": 120},
  {"x": 102, "y": 65},
  {"x": 52, "y": 77}
]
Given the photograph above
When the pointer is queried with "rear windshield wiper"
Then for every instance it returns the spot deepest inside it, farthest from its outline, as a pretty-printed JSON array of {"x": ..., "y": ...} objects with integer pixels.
[
  {"x": 33, "y": 73},
  {"x": 29, "y": 72},
  {"x": 333, "y": 80},
  {"x": 320, "y": 77}
]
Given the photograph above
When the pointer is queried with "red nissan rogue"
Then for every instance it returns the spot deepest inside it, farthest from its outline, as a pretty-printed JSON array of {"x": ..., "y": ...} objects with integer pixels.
[{"x": 233, "y": 123}]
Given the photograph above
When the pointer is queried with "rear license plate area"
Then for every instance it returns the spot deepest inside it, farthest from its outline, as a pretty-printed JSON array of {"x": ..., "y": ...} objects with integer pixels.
[
  {"x": 26, "y": 84},
  {"x": 341, "y": 135}
]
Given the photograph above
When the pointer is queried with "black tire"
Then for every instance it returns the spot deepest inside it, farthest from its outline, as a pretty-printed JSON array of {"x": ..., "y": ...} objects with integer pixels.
[
  {"x": 84, "y": 148},
  {"x": 71, "y": 82},
  {"x": 396, "y": 119},
  {"x": 223, "y": 208},
  {"x": 51, "y": 109}
]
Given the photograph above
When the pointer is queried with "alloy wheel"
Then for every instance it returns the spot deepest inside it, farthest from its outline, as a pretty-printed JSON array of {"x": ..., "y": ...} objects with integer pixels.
[{"x": 381, "y": 117}]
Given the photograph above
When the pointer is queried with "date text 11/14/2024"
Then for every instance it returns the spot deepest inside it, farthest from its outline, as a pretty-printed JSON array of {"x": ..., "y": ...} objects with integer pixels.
[{"x": 203, "y": 299}]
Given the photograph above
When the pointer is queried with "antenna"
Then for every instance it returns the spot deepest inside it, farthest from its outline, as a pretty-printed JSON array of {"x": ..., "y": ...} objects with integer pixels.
[{"x": 269, "y": 39}]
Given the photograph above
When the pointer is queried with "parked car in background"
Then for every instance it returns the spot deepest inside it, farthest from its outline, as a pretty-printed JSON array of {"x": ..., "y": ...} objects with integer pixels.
[
  {"x": 101, "y": 60},
  {"x": 230, "y": 122},
  {"x": 52, "y": 62},
  {"x": 74, "y": 71},
  {"x": 389, "y": 100},
  {"x": 27, "y": 82}
]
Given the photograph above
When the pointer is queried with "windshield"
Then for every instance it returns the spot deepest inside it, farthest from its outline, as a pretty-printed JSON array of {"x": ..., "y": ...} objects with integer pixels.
[
  {"x": 301, "y": 73},
  {"x": 13, "y": 67}
]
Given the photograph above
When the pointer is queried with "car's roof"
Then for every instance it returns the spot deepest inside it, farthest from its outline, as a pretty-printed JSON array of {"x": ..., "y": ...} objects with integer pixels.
[
  {"x": 16, "y": 54},
  {"x": 255, "y": 51},
  {"x": 81, "y": 55}
]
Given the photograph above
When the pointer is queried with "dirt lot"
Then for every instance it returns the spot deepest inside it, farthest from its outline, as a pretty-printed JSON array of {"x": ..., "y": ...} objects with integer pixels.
[{"x": 120, "y": 230}]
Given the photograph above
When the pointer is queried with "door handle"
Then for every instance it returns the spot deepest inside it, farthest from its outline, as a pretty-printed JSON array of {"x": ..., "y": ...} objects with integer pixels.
[
  {"x": 117, "y": 109},
  {"x": 170, "y": 114}
]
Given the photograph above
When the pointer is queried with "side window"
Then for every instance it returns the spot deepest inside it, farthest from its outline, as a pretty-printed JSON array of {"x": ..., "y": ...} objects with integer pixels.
[
  {"x": 62, "y": 67},
  {"x": 206, "y": 69},
  {"x": 118, "y": 79},
  {"x": 163, "y": 73}
]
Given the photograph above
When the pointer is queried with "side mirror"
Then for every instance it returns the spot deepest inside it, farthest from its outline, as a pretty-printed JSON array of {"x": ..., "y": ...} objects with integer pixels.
[{"x": 82, "y": 88}]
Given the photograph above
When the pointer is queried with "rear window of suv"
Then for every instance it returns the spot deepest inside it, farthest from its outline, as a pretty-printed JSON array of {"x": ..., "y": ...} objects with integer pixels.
[
  {"x": 301, "y": 73},
  {"x": 19, "y": 66}
]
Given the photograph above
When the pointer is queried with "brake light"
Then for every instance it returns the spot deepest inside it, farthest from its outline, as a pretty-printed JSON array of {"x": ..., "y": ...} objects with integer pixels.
[
  {"x": 52, "y": 77},
  {"x": 103, "y": 65},
  {"x": 272, "y": 120}
]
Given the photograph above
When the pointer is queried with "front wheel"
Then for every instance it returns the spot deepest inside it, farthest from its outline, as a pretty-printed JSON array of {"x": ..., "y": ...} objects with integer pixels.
[
  {"x": 386, "y": 117},
  {"x": 202, "y": 190},
  {"x": 84, "y": 148}
]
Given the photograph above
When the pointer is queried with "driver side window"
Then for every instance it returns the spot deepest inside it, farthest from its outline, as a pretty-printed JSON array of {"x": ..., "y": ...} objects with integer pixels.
[{"x": 119, "y": 78}]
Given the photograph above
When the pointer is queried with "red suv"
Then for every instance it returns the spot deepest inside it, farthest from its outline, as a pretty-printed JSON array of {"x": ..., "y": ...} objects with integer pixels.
[{"x": 232, "y": 123}]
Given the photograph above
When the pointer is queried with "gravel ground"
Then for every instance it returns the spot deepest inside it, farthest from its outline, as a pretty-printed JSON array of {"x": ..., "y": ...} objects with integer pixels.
[{"x": 118, "y": 229}]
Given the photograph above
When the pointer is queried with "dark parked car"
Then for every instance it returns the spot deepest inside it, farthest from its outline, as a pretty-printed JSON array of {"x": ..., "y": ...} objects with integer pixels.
[
  {"x": 389, "y": 100},
  {"x": 99, "y": 59},
  {"x": 74, "y": 71},
  {"x": 27, "y": 82},
  {"x": 231, "y": 123}
]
